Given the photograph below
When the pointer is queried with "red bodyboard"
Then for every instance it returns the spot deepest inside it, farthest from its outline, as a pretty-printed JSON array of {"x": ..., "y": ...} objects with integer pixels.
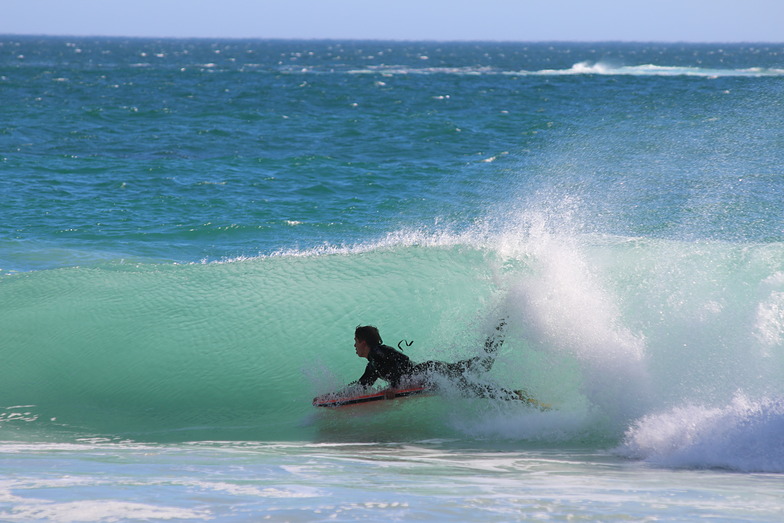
[{"x": 331, "y": 400}]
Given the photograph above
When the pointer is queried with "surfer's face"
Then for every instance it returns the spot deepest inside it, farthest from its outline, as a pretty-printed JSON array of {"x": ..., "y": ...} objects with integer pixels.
[{"x": 362, "y": 348}]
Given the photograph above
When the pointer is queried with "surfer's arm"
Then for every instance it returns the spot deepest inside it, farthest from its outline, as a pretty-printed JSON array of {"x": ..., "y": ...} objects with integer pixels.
[
  {"x": 352, "y": 389},
  {"x": 368, "y": 378}
]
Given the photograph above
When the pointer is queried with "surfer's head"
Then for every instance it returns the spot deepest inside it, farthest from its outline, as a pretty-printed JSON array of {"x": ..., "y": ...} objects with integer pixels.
[
  {"x": 366, "y": 338},
  {"x": 368, "y": 334}
]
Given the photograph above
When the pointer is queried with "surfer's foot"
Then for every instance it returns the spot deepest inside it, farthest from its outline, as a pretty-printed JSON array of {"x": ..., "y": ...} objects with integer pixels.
[{"x": 522, "y": 395}]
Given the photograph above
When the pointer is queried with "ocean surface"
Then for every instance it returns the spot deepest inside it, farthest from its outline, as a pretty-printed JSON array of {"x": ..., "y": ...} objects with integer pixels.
[{"x": 190, "y": 231}]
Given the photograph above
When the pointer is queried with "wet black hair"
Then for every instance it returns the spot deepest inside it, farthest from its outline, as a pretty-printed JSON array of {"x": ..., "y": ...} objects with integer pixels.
[{"x": 368, "y": 334}]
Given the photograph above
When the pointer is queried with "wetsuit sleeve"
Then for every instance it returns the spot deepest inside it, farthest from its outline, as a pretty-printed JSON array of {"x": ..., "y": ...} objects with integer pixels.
[{"x": 369, "y": 377}]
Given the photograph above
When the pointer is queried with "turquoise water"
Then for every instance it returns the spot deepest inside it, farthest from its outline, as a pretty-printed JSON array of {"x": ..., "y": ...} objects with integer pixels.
[{"x": 192, "y": 229}]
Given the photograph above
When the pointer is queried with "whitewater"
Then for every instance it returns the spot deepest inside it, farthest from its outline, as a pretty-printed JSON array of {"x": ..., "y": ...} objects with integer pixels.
[{"x": 193, "y": 229}]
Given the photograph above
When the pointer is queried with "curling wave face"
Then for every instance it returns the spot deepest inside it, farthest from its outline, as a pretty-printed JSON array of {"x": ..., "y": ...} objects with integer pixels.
[{"x": 614, "y": 331}]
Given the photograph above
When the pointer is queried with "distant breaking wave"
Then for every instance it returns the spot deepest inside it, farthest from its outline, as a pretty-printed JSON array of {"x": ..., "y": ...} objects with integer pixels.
[
  {"x": 580, "y": 68},
  {"x": 657, "y": 70}
]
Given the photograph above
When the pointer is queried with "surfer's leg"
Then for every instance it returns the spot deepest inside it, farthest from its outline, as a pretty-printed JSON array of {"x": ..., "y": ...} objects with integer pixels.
[
  {"x": 492, "y": 344},
  {"x": 494, "y": 341},
  {"x": 484, "y": 363},
  {"x": 481, "y": 390},
  {"x": 427, "y": 371},
  {"x": 438, "y": 373}
]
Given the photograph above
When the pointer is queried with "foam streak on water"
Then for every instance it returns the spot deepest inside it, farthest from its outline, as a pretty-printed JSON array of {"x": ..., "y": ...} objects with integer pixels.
[{"x": 306, "y": 482}]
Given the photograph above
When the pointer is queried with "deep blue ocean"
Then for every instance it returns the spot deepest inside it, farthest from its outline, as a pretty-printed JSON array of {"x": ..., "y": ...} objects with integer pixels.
[{"x": 190, "y": 230}]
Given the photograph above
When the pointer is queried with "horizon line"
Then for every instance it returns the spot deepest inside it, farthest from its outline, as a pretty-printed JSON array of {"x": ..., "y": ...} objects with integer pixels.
[{"x": 396, "y": 40}]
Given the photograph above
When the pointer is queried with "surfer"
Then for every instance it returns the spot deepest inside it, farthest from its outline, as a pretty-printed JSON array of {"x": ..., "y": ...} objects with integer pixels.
[{"x": 394, "y": 367}]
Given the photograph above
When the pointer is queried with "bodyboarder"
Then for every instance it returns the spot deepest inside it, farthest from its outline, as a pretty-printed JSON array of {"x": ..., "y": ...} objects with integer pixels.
[{"x": 394, "y": 367}]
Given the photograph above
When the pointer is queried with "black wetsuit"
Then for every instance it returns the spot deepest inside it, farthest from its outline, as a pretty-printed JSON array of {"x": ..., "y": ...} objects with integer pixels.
[
  {"x": 386, "y": 363},
  {"x": 393, "y": 367}
]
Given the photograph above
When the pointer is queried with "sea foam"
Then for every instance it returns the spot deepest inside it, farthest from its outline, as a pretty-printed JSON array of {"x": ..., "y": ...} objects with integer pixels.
[{"x": 745, "y": 435}]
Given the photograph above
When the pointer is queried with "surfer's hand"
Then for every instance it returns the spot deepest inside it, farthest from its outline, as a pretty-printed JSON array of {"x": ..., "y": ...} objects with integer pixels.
[{"x": 389, "y": 394}]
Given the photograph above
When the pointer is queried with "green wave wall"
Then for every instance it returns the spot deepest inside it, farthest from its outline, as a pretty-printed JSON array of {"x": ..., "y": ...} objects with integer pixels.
[
  {"x": 150, "y": 349},
  {"x": 608, "y": 329}
]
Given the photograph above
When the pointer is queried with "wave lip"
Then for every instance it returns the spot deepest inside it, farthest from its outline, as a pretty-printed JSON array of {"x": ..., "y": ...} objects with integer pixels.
[{"x": 744, "y": 435}]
